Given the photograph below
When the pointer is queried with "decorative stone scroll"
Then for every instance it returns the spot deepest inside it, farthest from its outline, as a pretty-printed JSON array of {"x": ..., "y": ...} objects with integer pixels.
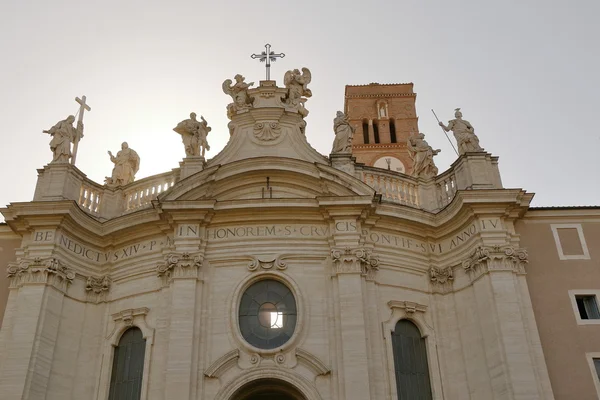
[
  {"x": 179, "y": 266},
  {"x": 441, "y": 279},
  {"x": 97, "y": 287},
  {"x": 267, "y": 263},
  {"x": 351, "y": 261},
  {"x": 495, "y": 258},
  {"x": 267, "y": 131},
  {"x": 51, "y": 272}
]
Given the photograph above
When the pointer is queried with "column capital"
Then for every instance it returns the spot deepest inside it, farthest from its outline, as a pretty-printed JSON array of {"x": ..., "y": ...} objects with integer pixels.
[{"x": 358, "y": 260}]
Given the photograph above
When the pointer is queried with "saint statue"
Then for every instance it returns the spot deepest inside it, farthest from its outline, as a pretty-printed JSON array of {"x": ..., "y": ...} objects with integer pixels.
[
  {"x": 127, "y": 164},
  {"x": 296, "y": 83},
  {"x": 464, "y": 133},
  {"x": 193, "y": 134},
  {"x": 239, "y": 94},
  {"x": 343, "y": 134},
  {"x": 422, "y": 155},
  {"x": 63, "y": 134}
]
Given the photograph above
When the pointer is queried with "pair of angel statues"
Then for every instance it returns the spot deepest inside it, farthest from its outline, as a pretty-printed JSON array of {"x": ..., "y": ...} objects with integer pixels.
[
  {"x": 127, "y": 161},
  {"x": 295, "y": 81},
  {"x": 419, "y": 150}
]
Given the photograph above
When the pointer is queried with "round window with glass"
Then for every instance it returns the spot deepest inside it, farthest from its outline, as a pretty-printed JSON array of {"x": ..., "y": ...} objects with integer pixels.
[{"x": 267, "y": 314}]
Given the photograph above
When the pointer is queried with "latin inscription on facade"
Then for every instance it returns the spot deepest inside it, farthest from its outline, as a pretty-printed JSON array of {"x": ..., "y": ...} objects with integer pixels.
[{"x": 122, "y": 253}]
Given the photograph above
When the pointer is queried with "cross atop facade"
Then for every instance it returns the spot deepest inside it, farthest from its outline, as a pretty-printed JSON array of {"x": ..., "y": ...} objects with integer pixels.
[
  {"x": 82, "y": 107},
  {"x": 267, "y": 56}
]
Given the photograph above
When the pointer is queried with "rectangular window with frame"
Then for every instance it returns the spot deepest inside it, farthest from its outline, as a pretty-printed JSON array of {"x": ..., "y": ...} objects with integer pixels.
[{"x": 587, "y": 305}]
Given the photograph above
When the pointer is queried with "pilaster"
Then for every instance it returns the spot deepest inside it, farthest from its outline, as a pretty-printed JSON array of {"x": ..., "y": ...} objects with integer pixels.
[
  {"x": 351, "y": 266},
  {"x": 38, "y": 288},
  {"x": 496, "y": 273},
  {"x": 181, "y": 274}
]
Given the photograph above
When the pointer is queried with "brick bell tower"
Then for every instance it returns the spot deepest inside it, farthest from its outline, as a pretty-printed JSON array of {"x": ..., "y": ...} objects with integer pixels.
[{"x": 384, "y": 116}]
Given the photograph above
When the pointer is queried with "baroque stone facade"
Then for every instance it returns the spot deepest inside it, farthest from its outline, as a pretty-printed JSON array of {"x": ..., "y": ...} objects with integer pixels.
[{"x": 330, "y": 254}]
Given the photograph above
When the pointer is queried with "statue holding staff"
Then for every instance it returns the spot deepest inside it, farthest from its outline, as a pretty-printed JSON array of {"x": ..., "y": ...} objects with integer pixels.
[{"x": 63, "y": 134}]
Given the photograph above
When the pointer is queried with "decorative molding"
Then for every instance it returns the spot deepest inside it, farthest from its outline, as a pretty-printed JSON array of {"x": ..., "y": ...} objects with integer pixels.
[
  {"x": 128, "y": 316},
  {"x": 352, "y": 261},
  {"x": 267, "y": 131},
  {"x": 441, "y": 275},
  {"x": 312, "y": 362},
  {"x": 222, "y": 364},
  {"x": 179, "y": 266},
  {"x": 441, "y": 279},
  {"x": 495, "y": 258},
  {"x": 49, "y": 272},
  {"x": 408, "y": 306},
  {"x": 267, "y": 263},
  {"x": 255, "y": 359},
  {"x": 97, "y": 287}
]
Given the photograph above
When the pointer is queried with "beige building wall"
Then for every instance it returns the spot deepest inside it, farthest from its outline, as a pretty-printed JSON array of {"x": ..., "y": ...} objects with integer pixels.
[
  {"x": 564, "y": 260},
  {"x": 8, "y": 243}
]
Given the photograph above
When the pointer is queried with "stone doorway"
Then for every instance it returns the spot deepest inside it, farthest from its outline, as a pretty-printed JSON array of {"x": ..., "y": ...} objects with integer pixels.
[{"x": 268, "y": 389}]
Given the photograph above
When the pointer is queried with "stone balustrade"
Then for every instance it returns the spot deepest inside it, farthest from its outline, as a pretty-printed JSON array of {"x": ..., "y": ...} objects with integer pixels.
[
  {"x": 141, "y": 193},
  {"x": 395, "y": 187},
  {"x": 90, "y": 196},
  {"x": 445, "y": 186}
]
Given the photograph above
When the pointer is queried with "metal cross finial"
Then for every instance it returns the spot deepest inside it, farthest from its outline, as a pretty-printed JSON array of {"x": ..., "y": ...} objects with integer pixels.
[
  {"x": 82, "y": 107},
  {"x": 267, "y": 56}
]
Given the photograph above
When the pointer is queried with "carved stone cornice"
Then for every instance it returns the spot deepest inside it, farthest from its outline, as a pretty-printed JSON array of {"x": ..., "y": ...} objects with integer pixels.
[
  {"x": 179, "y": 266},
  {"x": 355, "y": 261},
  {"x": 97, "y": 287},
  {"x": 128, "y": 316},
  {"x": 267, "y": 263},
  {"x": 37, "y": 271},
  {"x": 495, "y": 258}
]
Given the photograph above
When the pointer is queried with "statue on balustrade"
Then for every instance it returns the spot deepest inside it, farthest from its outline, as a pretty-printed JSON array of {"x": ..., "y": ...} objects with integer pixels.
[
  {"x": 422, "y": 155},
  {"x": 127, "y": 164},
  {"x": 296, "y": 83},
  {"x": 193, "y": 134},
  {"x": 239, "y": 94},
  {"x": 63, "y": 134},
  {"x": 464, "y": 133},
  {"x": 343, "y": 134}
]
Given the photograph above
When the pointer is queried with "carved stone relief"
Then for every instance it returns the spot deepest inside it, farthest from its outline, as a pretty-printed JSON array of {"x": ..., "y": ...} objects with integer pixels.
[
  {"x": 267, "y": 131},
  {"x": 50, "y": 271},
  {"x": 177, "y": 266},
  {"x": 267, "y": 263},
  {"x": 495, "y": 258},
  {"x": 97, "y": 287},
  {"x": 351, "y": 261}
]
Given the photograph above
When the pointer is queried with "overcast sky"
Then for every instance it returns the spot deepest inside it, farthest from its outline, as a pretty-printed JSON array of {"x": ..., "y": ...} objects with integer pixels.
[{"x": 525, "y": 73}]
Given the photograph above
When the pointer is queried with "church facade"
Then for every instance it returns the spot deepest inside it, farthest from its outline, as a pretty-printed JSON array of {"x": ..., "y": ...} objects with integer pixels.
[{"x": 271, "y": 271}]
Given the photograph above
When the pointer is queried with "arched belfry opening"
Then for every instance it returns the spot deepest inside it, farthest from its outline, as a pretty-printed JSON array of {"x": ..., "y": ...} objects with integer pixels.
[{"x": 268, "y": 389}]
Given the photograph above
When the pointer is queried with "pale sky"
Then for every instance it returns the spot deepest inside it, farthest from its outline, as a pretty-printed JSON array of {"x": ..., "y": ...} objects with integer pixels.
[{"x": 525, "y": 73}]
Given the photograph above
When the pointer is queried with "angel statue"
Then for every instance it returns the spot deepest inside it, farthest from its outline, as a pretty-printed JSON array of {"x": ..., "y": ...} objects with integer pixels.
[
  {"x": 239, "y": 94},
  {"x": 343, "y": 134},
  {"x": 296, "y": 83},
  {"x": 127, "y": 164},
  {"x": 464, "y": 133},
  {"x": 422, "y": 155},
  {"x": 193, "y": 134},
  {"x": 63, "y": 134}
]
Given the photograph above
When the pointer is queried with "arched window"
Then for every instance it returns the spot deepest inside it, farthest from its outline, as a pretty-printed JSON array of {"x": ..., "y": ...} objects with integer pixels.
[
  {"x": 393, "y": 130},
  {"x": 410, "y": 362},
  {"x": 128, "y": 366},
  {"x": 376, "y": 130},
  {"x": 365, "y": 125}
]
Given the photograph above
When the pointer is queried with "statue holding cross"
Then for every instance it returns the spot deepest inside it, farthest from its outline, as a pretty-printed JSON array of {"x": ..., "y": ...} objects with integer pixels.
[{"x": 63, "y": 134}]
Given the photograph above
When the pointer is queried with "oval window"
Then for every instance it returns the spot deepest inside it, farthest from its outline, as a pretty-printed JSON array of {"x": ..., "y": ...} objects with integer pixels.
[{"x": 267, "y": 314}]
